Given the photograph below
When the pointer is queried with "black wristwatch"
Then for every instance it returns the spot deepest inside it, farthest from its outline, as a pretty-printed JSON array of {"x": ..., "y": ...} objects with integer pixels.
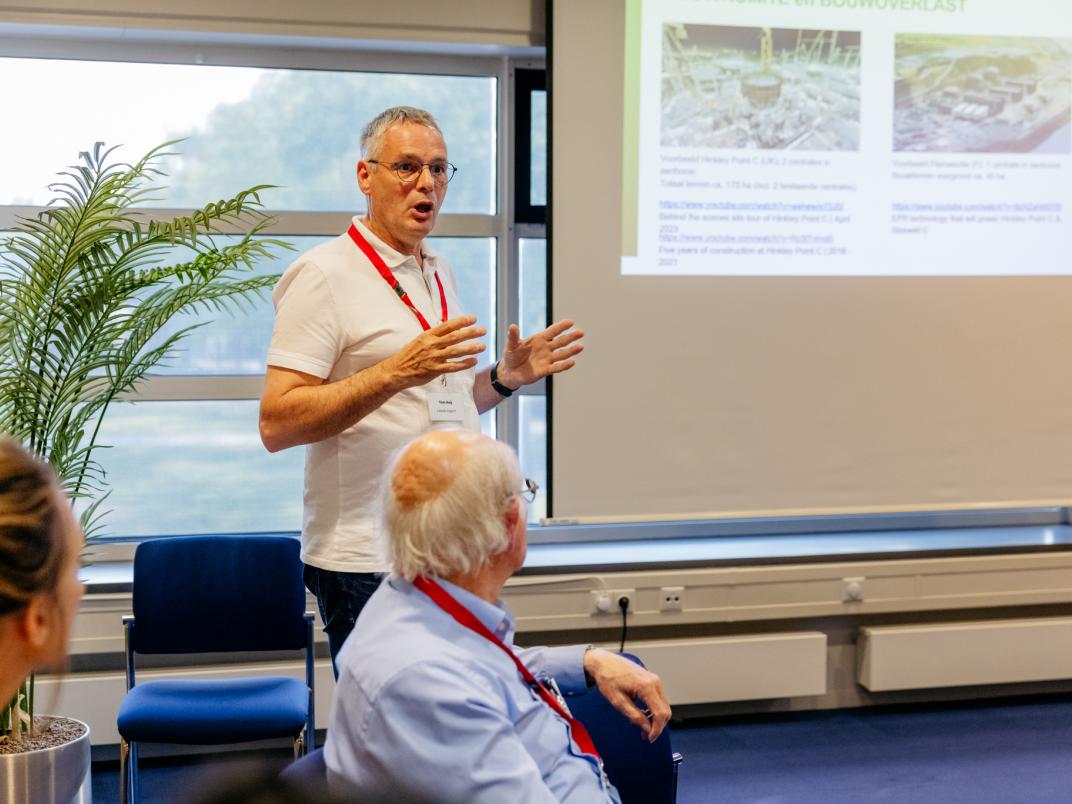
[{"x": 500, "y": 389}]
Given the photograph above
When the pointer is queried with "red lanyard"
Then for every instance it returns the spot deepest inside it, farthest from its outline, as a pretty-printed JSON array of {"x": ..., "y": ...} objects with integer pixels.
[
  {"x": 389, "y": 277},
  {"x": 443, "y": 599}
]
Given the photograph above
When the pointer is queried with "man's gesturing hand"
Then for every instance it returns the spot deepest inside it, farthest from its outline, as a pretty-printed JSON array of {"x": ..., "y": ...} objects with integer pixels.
[
  {"x": 623, "y": 683},
  {"x": 439, "y": 350},
  {"x": 547, "y": 352}
]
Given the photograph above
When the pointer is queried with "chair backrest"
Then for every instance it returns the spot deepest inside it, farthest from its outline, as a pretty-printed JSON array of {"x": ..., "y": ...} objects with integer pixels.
[
  {"x": 643, "y": 772},
  {"x": 199, "y": 594}
]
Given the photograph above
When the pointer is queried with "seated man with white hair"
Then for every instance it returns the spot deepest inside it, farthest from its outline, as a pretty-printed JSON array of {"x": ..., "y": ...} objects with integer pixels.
[{"x": 433, "y": 697}]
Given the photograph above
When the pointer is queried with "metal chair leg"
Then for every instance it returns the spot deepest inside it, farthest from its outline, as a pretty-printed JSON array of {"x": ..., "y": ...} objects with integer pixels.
[
  {"x": 134, "y": 797},
  {"x": 299, "y": 744},
  {"x": 124, "y": 781}
]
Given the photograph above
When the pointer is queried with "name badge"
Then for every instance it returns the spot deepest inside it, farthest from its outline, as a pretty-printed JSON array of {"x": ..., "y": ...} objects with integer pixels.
[{"x": 444, "y": 406}]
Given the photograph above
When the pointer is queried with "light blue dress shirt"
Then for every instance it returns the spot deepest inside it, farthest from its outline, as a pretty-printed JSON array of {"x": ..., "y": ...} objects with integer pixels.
[{"x": 425, "y": 703}]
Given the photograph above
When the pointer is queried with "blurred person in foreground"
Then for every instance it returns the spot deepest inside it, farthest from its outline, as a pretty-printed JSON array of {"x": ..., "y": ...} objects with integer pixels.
[
  {"x": 40, "y": 544},
  {"x": 263, "y": 784},
  {"x": 432, "y": 692}
]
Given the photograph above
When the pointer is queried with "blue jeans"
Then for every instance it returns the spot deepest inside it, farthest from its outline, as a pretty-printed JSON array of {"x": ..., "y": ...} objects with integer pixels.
[{"x": 340, "y": 597}]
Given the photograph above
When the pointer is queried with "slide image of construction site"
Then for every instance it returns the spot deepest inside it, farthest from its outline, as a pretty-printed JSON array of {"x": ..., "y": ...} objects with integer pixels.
[
  {"x": 778, "y": 88},
  {"x": 971, "y": 94}
]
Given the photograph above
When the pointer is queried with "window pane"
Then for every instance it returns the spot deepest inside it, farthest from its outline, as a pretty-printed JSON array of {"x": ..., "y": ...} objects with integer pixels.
[
  {"x": 532, "y": 449},
  {"x": 474, "y": 263},
  {"x": 177, "y": 468},
  {"x": 533, "y": 284},
  {"x": 230, "y": 342},
  {"x": 475, "y": 267},
  {"x": 538, "y": 148},
  {"x": 243, "y": 126},
  {"x": 196, "y": 467},
  {"x": 532, "y": 429}
]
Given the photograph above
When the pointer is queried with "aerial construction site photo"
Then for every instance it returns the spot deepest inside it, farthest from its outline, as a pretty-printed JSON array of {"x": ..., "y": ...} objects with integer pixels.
[
  {"x": 982, "y": 94},
  {"x": 777, "y": 88}
]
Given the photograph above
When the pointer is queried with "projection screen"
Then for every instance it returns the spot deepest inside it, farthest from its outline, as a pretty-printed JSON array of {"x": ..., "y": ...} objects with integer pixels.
[{"x": 821, "y": 251}]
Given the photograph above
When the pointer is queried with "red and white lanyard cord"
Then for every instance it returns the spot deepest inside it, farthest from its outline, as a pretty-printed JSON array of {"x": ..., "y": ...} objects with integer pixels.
[
  {"x": 389, "y": 277},
  {"x": 442, "y": 598}
]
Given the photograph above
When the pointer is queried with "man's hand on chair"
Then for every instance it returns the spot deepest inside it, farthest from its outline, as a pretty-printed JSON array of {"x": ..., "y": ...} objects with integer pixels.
[{"x": 623, "y": 683}]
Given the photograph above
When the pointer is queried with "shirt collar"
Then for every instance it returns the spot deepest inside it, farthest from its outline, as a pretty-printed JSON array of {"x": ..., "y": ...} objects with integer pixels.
[
  {"x": 392, "y": 258},
  {"x": 493, "y": 616}
]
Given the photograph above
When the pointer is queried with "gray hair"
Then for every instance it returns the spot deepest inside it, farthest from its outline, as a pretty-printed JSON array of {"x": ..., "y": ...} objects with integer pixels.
[
  {"x": 372, "y": 135},
  {"x": 459, "y": 529}
]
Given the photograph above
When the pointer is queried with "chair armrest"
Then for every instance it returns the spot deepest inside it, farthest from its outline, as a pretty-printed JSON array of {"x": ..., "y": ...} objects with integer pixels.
[
  {"x": 128, "y": 645},
  {"x": 310, "y": 671}
]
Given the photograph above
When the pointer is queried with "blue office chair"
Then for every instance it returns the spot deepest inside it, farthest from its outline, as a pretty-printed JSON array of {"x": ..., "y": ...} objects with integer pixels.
[
  {"x": 643, "y": 772},
  {"x": 202, "y": 594}
]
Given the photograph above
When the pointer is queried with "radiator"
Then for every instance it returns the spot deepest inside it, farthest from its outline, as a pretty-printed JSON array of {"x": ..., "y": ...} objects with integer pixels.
[
  {"x": 738, "y": 668},
  {"x": 963, "y": 654}
]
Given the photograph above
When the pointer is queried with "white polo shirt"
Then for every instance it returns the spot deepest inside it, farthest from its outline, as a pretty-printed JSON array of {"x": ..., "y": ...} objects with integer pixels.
[{"x": 334, "y": 316}]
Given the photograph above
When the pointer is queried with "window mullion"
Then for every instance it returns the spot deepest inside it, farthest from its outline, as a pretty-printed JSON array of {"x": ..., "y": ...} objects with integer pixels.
[
  {"x": 191, "y": 388},
  {"x": 507, "y": 292}
]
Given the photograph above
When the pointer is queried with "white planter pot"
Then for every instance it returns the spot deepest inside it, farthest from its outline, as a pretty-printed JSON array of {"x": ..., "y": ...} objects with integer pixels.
[{"x": 56, "y": 775}]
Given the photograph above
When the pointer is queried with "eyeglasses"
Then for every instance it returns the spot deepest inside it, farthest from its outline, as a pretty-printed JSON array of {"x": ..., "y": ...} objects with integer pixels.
[
  {"x": 528, "y": 494},
  {"x": 408, "y": 171}
]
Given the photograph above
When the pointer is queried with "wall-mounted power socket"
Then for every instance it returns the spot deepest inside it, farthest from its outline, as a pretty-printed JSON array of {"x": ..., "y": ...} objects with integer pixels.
[
  {"x": 606, "y": 602},
  {"x": 852, "y": 590},
  {"x": 672, "y": 598}
]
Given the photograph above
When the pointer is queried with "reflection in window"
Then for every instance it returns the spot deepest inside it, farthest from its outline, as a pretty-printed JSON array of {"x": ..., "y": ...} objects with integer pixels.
[{"x": 243, "y": 126}]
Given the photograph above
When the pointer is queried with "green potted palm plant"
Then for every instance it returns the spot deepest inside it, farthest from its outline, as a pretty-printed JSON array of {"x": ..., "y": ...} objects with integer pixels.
[{"x": 86, "y": 289}]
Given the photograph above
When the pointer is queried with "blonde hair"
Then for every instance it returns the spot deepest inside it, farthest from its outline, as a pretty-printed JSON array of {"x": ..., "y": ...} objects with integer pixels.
[
  {"x": 459, "y": 528},
  {"x": 32, "y": 547}
]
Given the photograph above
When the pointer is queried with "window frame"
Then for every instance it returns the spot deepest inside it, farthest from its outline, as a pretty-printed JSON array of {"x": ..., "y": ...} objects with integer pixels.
[
  {"x": 276, "y": 52},
  {"x": 529, "y": 223},
  {"x": 526, "y": 82}
]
